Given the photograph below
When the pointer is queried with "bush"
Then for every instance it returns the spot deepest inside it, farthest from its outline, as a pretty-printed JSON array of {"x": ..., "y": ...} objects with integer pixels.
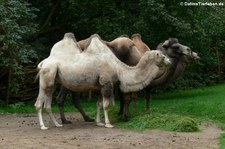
[{"x": 15, "y": 51}]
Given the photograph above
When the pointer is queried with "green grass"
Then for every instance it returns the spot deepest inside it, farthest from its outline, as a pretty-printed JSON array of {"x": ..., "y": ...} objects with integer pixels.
[
  {"x": 174, "y": 111},
  {"x": 222, "y": 141},
  {"x": 203, "y": 103}
]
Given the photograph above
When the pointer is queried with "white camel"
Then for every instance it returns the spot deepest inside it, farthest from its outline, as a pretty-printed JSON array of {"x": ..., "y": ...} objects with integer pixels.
[{"x": 96, "y": 68}]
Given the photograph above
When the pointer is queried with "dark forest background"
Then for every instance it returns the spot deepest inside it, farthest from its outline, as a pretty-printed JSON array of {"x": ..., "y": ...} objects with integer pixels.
[{"x": 28, "y": 30}]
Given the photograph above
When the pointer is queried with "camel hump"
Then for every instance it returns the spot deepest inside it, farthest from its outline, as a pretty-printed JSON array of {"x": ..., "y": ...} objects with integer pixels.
[
  {"x": 95, "y": 35},
  {"x": 69, "y": 35},
  {"x": 124, "y": 35},
  {"x": 88, "y": 42},
  {"x": 136, "y": 35}
]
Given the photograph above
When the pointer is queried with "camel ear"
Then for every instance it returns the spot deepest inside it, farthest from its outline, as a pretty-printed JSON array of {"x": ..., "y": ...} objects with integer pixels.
[
  {"x": 173, "y": 40},
  {"x": 175, "y": 46},
  {"x": 165, "y": 44},
  {"x": 169, "y": 42}
]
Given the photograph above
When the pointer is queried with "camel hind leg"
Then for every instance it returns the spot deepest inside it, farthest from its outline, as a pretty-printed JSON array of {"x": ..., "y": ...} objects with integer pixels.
[
  {"x": 46, "y": 83},
  {"x": 38, "y": 104},
  {"x": 48, "y": 108}
]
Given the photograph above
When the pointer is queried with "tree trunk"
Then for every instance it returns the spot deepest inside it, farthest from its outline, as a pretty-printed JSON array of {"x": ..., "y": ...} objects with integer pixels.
[{"x": 8, "y": 87}]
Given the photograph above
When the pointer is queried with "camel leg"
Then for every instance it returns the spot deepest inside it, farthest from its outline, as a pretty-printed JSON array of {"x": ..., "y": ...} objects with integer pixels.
[
  {"x": 38, "y": 104},
  {"x": 121, "y": 103},
  {"x": 60, "y": 100},
  {"x": 46, "y": 83},
  {"x": 48, "y": 108},
  {"x": 134, "y": 97},
  {"x": 41, "y": 119},
  {"x": 99, "y": 105},
  {"x": 106, "y": 107},
  {"x": 124, "y": 105},
  {"x": 76, "y": 102},
  {"x": 148, "y": 98},
  {"x": 107, "y": 93},
  {"x": 126, "y": 112}
]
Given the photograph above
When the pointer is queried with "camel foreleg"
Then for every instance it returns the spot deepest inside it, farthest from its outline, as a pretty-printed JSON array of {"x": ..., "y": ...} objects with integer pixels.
[
  {"x": 107, "y": 93},
  {"x": 99, "y": 106},
  {"x": 106, "y": 107},
  {"x": 148, "y": 98}
]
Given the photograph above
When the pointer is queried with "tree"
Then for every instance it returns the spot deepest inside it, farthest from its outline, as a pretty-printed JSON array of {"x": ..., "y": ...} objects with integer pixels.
[
  {"x": 15, "y": 51},
  {"x": 23, "y": 42}
]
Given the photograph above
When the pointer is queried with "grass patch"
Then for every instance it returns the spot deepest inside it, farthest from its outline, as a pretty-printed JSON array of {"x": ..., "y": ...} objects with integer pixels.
[
  {"x": 186, "y": 124},
  {"x": 170, "y": 122}
]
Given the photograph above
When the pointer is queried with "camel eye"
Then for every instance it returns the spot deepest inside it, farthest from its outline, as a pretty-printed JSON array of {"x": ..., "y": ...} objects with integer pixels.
[
  {"x": 188, "y": 49},
  {"x": 175, "y": 46}
]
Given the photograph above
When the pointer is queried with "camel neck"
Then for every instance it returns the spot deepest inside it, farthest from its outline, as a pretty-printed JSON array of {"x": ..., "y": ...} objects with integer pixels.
[
  {"x": 170, "y": 74},
  {"x": 180, "y": 67},
  {"x": 138, "y": 77}
]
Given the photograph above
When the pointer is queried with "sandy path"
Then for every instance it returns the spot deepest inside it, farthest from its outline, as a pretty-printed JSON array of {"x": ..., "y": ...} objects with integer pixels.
[{"x": 22, "y": 131}]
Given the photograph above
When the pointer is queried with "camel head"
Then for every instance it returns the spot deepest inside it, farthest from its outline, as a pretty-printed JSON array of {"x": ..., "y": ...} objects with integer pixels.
[
  {"x": 158, "y": 56},
  {"x": 188, "y": 59},
  {"x": 174, "y": 49}
]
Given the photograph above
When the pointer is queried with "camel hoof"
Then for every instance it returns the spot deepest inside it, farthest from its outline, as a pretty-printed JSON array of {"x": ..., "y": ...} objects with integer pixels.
[
  {"x": 44, "y": 128},
  {"x": 59, "y": 125},
  {"x": 109, "y": 126},
  {"x": 100, "y": 124},
  {"x": 66, "y": 122},
  {"x": 88, "y": 119},
  {"x": 127, "y": 118}
]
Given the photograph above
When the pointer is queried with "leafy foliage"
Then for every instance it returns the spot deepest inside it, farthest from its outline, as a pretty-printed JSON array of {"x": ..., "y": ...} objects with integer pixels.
[
  {"x": 199, "y": 27},
  {"x": 15, "y": 51}
]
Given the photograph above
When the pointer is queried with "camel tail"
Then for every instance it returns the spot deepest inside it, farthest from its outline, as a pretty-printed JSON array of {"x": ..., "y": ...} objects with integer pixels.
[
  {"x": 39, "y": 66},
  {"x": 37, "y": 76}
]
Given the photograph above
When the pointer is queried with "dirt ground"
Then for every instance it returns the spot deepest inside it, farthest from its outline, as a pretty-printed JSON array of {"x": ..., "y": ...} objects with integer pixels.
[{"x": 21, "y": 131}]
